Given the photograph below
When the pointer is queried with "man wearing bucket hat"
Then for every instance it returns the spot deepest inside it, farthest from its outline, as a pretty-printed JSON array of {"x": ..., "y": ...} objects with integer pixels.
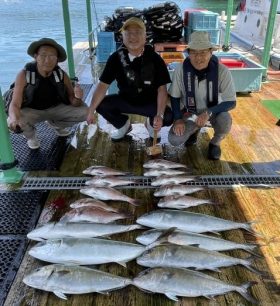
[
  {"x": 141, "y": 76},
  {"x": 43, "y": 92},
  {"x": 202, "y": 91}
]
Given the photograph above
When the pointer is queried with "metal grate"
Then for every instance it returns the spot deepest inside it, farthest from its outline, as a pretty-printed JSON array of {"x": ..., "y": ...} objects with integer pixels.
[
  {"x": 11, "y": 250},
  {"x": 19, "y": 211},
  {"x": 54, "y": 183},
  {"x": 47, "y": 157}
]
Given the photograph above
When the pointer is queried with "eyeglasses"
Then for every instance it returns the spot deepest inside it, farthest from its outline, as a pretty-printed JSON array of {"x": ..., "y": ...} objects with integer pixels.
[
  {"x": 199, "y": 53},
  {"x": 51, "y": 57}
]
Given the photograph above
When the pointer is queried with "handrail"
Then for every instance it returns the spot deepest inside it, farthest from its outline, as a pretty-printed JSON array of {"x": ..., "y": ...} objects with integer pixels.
[
  {"x": 89, "y": 22},
  {"x": 225, "y": 46},
  {"x": 8, "y": 172}
]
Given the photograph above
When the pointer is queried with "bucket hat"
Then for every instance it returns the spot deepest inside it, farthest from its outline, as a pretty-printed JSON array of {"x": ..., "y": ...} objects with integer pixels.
[
  {"x": 200, "y": 40},
  {"x": 34, "y": 46},
  {"x": 133, "y": 21}
]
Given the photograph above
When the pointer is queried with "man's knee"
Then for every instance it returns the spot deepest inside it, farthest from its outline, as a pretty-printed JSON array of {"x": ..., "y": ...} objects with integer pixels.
[
  {"x": 175, "y": 140},
  {"x": 223, "y": 123}
]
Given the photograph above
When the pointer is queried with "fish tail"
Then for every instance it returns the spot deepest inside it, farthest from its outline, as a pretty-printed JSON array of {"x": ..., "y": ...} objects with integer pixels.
[
  {"x": 256, "y": 271},
  {"x": 134, "y": 202},
  {"x": 243, "y": 290},
  {"x": 248, "y": 228}
]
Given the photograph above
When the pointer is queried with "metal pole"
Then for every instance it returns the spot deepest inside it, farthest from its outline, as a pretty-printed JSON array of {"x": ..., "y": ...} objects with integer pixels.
[
  {"x": 89, "y": 27},
  {"x": 68, "y": 36},
  {"x": 10, "y": 175},
  {"x": 225, "y": 46},
  {"x": 268, "y": 36}
]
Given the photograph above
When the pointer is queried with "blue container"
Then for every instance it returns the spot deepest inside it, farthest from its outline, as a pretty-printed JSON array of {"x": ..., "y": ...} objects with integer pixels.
[
  {"x": 106, "y": 45},
  {"x": 245, "y": 79},
  {"x": 214, "y": 34},
  {"x": 203, "y": 20}
]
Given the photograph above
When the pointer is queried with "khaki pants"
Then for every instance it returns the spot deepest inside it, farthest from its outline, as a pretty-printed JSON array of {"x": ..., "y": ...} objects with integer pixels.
[{"x": 61, "y": 116}]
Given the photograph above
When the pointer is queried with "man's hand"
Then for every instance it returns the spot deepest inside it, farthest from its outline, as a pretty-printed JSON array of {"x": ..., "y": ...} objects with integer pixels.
[
  {"x": 78, "y": 92},
  {"x": 179, "y": 127},
  {"x": 157, "y": 122},
  {"x": 91, "y": 117},
  {"x": 202, "y": 119},
  {"x": 13, "y": 123}
]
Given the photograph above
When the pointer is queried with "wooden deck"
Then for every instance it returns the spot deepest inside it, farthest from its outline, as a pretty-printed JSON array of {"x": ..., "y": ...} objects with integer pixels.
[{"x": 253, "y": 147}]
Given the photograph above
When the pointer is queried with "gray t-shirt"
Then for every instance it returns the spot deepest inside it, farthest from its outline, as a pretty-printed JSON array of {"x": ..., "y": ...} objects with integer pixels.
[{"x": 225, "y": 87}]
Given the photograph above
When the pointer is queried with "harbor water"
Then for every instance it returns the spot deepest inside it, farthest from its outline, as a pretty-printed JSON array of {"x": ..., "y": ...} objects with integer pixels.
[{"x": 23, "y": 21}]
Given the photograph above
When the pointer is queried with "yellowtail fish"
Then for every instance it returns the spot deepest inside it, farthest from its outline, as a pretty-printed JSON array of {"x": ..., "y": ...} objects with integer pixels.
[
  {"x": 62, "y": 279},
  {"x": 178, "y": 282}
]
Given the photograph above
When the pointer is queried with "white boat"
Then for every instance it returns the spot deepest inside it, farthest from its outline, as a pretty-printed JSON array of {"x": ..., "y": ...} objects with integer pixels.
[{"x": 250, "y": 29}]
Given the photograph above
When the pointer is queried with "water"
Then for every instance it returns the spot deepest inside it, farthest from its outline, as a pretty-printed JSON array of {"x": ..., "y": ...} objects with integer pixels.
[{"x": 23, "y": 21}]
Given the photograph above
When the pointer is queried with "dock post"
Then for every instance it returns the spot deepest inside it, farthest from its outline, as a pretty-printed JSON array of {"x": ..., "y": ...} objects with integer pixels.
[
  {"x": 68, "y": 36},
  {"x": 89, "y": 22},
  {"x": 225, "y": 46},
  {"x": 8, "y": 172}
]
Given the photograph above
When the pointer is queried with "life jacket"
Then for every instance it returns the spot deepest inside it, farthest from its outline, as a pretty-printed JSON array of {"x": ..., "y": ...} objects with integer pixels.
[
  {"x": 32, "y": 83},
  {"x": 189, "y": 76},
  {"x": 137, "y": 80}
]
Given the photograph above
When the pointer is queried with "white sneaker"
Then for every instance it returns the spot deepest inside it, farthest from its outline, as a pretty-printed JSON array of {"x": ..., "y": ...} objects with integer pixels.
[
  {"x": 120, "y": 133},
  {"x": 33, "y": 143},
  {"x": 150, "y": 128}
]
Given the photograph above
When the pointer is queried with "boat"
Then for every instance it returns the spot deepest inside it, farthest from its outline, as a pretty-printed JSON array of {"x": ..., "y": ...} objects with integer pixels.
[
  {"x": 250, "y": 28},
  {"x": 245, "y": 182}
]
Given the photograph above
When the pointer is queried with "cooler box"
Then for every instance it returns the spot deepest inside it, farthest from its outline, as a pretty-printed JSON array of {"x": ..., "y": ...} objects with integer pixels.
[
  {"x": 247, "y": 77},
  {"x": 203, "y": 20},
  {"x": 106, "y": 45}
]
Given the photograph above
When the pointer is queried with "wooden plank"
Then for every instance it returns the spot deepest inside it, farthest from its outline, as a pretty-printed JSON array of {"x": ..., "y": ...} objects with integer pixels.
[{"x": 253, "y": 146}]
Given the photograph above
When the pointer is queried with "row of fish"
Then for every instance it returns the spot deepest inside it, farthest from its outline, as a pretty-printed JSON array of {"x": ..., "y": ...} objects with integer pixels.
[{"x": 168, "y": 274}]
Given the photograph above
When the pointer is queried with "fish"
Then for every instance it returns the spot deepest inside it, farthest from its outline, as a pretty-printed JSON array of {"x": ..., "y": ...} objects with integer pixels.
[
  {"x": 181, "y": 202},
  {"x": 90, "y": 202},
  {"x": 201, "y": 240},
  {"x": 168, "y": 190},
  {"x": 57, "y": 230},
  {"x": 159, "y": 172},
  {"x": 162, "y": 164},
  {"x": 103, "y": 171},
  {"x": 92, "y": 214},
  {"x": 87, "y": 251},
  {"x": 190, "y": 221},
  {"x": 107, "y": 193},
  {"x": 61, "y": 279},
  {"x": 174, "y": 282},
  {"x": 109, "y": 181},
  {"x": 188, "y": 256},
  {"x": 172, "y": 179}
]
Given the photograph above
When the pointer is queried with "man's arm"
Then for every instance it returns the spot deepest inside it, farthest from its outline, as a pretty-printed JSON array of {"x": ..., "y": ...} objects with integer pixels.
[
  {"x": 14, "y": 109},
  {"x": 98, "y": 96},
  {"x": 161, "y": 105},
  {"x": 75, "y": 95}
]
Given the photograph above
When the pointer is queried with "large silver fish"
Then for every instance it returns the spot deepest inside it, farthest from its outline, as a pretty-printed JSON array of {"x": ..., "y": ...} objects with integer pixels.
[
  {"x": 103, "y": 171},
  {"x": 107, "y": 193},
  {"x": 201, "y": 240},
  {"x": 90, "y": 202},
  {"x": 162, "y": 163},
  {"x": 92, "y": 214},
  {"x": 159, "y": 172},
  {"x": 168, "y": 190},
  {"x": 88, "y": 251},
  {"x": 181, "y": 202},
  {"x": 109, "y": 181},
  {"x": 173, "y": 179},
  {"x": 174, "y": 282},
  {"x": 189, "y": 221},
  {"x": 66, "y": 279},
  {"x": 187, "y": 256},
  {"x": 57, "y": 230}
]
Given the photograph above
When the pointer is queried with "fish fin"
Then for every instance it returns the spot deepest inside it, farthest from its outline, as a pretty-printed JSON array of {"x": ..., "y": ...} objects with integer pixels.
[
  {"x": 122, "y": 263},
  {"x": 135, "y": 202},
  {"x": 216, "y": 233},
  {"x": 209, "y": 297},
  {"x": 163, "y": 238},
  {"x": 243, "y": 290},
  {"x": 171, "y": 296},
  {"x": 60, "y": 295}
]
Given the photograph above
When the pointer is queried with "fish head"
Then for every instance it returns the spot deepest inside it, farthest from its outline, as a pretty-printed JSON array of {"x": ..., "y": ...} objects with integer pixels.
[
  {"x": 44, "y": 249},
  {"x": 40, "y": 231},
  {"x": 149, "y": 236},
  {"x": 39, "y": 278},
  {"x": 151, "y": 218}
]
